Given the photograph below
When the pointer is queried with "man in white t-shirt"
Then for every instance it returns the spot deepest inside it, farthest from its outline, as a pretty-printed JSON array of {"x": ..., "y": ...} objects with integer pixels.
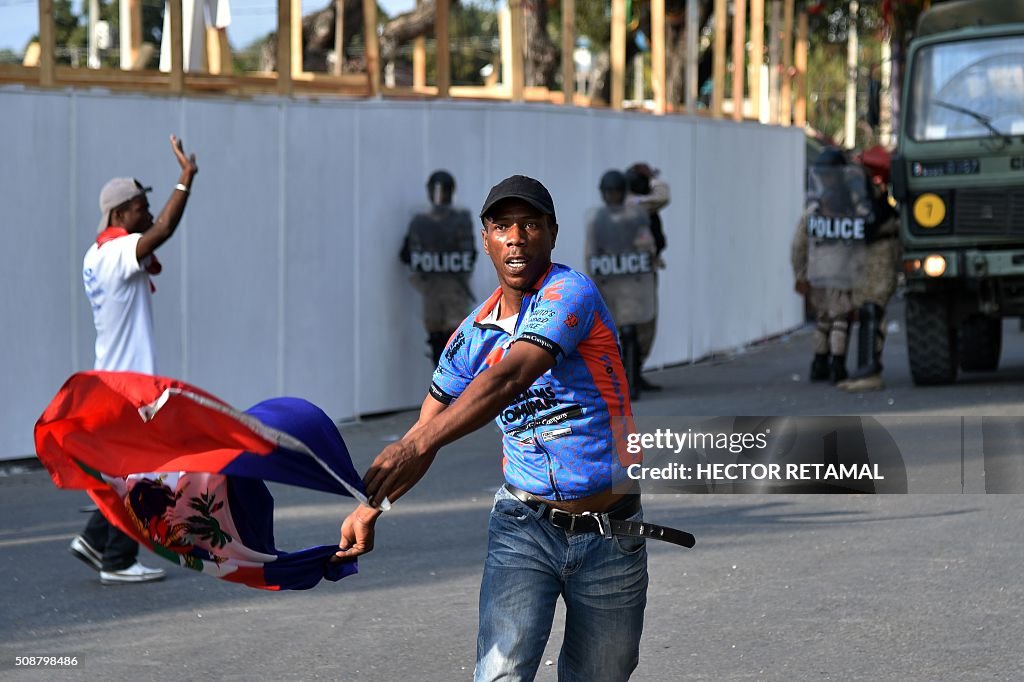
[{"x": 116, "y": 271}]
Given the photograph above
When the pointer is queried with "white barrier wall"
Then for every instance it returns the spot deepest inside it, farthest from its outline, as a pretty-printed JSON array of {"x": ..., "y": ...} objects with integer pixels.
[{"x": 283, "y": 278}]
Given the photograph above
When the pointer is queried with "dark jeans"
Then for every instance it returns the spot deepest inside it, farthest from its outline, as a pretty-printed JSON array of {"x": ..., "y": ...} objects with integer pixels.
[
  {"x": 530, "y": 564},
  {"x": 118, "y": 550}
]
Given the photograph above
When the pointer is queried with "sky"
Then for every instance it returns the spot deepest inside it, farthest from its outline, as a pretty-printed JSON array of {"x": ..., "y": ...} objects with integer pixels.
[{"x": 19, "y": 19}]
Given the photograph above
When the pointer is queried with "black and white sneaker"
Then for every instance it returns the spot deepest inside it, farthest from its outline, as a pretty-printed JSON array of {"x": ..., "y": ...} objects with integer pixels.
[{"x": 82, "y": 550}]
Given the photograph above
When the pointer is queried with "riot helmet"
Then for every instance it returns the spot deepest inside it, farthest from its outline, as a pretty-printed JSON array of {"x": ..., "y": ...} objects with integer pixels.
[
  {"x": 613, "y": 188},
  {"x": 440, "y": 187},
  {"x": 839, "y": 190},
  {"x": 613, "y": 180},
  {"x": 827, "y": 190}
]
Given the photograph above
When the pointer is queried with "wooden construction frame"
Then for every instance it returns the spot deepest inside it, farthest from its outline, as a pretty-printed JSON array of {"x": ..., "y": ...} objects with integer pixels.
[{"x": 291, "y": 79}]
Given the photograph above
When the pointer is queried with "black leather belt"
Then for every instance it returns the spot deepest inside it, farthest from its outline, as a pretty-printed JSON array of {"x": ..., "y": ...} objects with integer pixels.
[{"x": 608, "y": 524}]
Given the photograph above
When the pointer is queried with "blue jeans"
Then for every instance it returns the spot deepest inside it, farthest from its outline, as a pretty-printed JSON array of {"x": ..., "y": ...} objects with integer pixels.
[{"x": 529, "y": 564}]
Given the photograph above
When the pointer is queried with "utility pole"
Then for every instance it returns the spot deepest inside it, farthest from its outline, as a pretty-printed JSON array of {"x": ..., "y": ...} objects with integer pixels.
[
  {"x": 852, "y": 45},
  {"x": 885, "y": 114}
]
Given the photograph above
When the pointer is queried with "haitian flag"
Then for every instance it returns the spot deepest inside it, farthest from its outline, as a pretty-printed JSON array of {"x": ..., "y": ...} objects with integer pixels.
[{"x": 183, "y": 472}]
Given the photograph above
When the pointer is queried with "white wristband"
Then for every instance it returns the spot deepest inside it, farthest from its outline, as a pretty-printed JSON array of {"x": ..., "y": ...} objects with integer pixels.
[{"x": 181, "y": 188}]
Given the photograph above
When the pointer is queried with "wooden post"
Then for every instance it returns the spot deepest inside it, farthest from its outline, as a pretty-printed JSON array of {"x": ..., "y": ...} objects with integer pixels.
[
  {"x": 124, "y": 34},
  {"x": 756, "y": 55},
  {"x": 739, "y": 50},
  {"x": 339, "y": 37},
  {"x": 203, "y": 65},
  {"x": 212, "y": 51},
  {"x": 786, "y": 95},
  {"x": 568, "y": 48},
  {"x": 419, "y": 59},
  {"x": 284, "y": 47},
  {"x": 372, "y": 46},
  {"x": 296, "y": 41},
  {"x": 419, "y": 62},
  {"x": 177, "y": 77},
  {"x": 692, "y": 54},
  {"x": 94, "y": 49},
  {"x": 135, "y": 9},
  {"x": 800, "y": 106},
  {"x": 516, "y": 37},
  {"x": 718, "y": 54},
  {"x": 442, "y": 59},
  {"x": 773, "y": 64},
  {"x": 218, "y": 51},
  {"x": 46, "y": 43},
  {"x": 227, "y": 57},
  {"x": 505, "y": 45},
  {"x": 658, "y": 82},
  {"x": 618, "y": 49}
]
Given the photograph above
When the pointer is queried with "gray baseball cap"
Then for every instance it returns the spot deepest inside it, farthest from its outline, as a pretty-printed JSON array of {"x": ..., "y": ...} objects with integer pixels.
[{"x": 115, "y": 193}]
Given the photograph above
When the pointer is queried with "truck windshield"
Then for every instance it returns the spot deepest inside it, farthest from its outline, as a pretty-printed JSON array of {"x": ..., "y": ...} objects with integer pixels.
[{"x": 984, "y": 76}]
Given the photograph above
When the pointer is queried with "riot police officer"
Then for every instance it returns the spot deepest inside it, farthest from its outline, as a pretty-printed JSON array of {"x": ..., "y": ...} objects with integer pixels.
[
  {"x": 620, "y": 257},
  {"x": 828, "y": 253},
  {"x": 646, "y": 189},
  {"x": 440, "y": 251},
  {"x": 871, "y": 293}
]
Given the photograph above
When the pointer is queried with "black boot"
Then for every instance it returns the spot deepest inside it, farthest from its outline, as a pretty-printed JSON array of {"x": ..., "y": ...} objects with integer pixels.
[
  {"x": 630, "y": 349},
  {"x": 437, "y": 341},
  {"x": 838, "y": 368},
  {"x": 819, "y": 367},
  {"x": 869, "y": 341}
]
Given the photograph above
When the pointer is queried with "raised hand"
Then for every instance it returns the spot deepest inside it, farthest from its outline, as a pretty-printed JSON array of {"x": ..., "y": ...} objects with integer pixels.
[{"x": 187, "y": 163}]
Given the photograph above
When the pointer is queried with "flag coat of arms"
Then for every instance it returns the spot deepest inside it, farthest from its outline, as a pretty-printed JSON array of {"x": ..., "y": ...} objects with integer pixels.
[{"x": 184, "y": 473}]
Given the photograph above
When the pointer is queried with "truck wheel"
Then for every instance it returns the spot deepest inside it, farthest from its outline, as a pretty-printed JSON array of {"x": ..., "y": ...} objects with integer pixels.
[
  {"x": 981, "y": 341},
  {"x": 931, "y": 340}
]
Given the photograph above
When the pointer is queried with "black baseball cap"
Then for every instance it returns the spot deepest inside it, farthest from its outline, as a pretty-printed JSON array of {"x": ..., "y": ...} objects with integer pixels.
[{"x": 520, "y": 187}]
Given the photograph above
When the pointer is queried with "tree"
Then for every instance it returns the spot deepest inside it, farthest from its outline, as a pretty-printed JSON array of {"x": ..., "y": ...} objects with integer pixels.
[
  {"x": 71, "y": 31},
  {"x": 318, "y": 38},
  {"x": 318, "y": 31},
  {"x": 541, "y": 57}
]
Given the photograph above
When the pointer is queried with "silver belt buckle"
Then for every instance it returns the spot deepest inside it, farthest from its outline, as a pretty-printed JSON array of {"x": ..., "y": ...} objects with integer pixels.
[
  {"x": 572, "y": 517},
  {"x": 604, "y": 526}
]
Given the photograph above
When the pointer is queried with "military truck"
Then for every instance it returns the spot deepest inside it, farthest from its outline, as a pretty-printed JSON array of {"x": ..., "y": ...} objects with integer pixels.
[{"x": 958, "y": 175}]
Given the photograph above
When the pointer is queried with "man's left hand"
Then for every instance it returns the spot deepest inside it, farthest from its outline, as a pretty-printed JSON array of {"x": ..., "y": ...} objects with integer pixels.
[{"x": 187, "y": 163}]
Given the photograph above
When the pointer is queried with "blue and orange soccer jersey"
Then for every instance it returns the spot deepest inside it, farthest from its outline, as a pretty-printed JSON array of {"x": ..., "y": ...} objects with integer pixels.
[{"x": 564, "y": 437}]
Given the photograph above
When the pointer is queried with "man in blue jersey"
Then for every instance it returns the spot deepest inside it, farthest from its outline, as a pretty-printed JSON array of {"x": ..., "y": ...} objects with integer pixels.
[{"x": 539, "y": 356}]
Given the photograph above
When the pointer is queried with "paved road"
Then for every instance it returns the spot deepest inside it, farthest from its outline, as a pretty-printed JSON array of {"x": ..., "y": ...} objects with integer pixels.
[{"x": 779, "y": 587}]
